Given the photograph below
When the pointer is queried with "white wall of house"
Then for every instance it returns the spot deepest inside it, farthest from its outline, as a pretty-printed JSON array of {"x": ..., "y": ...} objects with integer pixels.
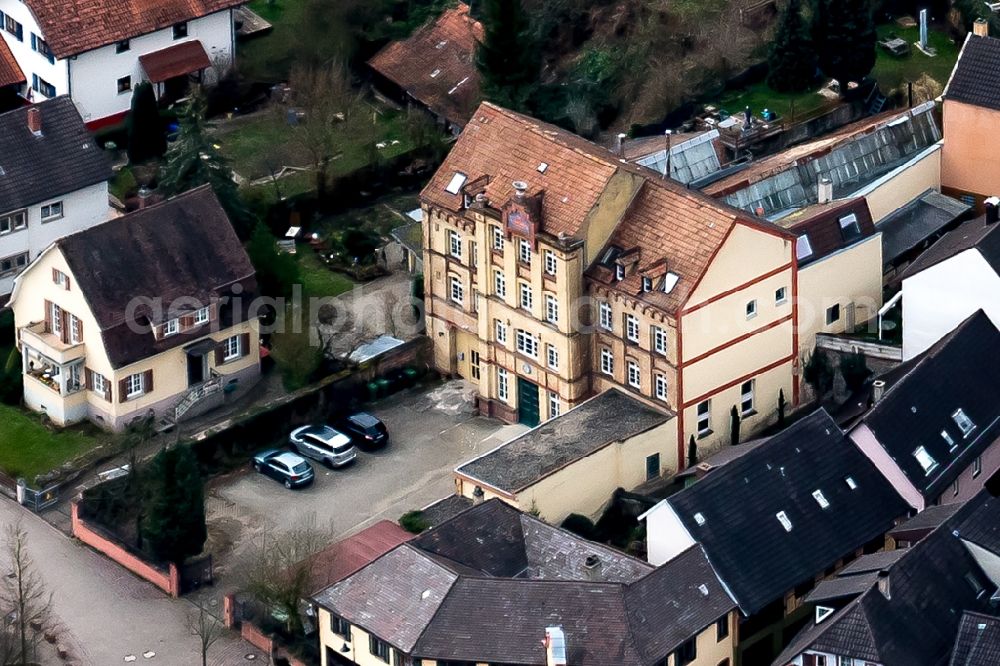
[
  {"x": 32, "y": 62},
  {"x": 94, "y": 75},
  {"x": 666, "y": 536},
  {"x": 938, "y": 299},
  {"x": 82, "y": 209}
]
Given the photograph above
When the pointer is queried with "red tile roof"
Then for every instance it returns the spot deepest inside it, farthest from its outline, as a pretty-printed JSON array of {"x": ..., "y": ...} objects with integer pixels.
[
  {"x": 173, "y": 61},
  {"x": 345, "y": 557},
  {"x": 10, "y": 73},
  {"x": 75, "y": 26},
  {"x": 436, "y": 64}
]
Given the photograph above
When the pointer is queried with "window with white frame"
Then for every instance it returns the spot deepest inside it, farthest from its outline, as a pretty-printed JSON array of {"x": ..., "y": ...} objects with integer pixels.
[
  {"x": 604, "y": 308},
  {"x": 52, "y": 211},
  {"x": 553, "y": 404},
  {"x": 499, "y": 284},
  {"x": 552, "y": 356},
  {"x": 454, "y": 244},
  {"x": 60, "y": 278},
  {"x": 457, "y": 291},
  {"x": 526, "y": 297},
  {"x": 661, "y": 387},
  {"x": 925, "y": 459},
  {"x": 99, "y": 384},
  {"x": 13, "y": 222},
  {"x": 134, "y": 385},
  {"x": 524, "y": 251},
  {"x": 201, "y": 316},
  {"x": 780, "y": 295},
  {"x": 607, "y": 361},
  {"x": 13, "y": 264},
  {"x": 634, "y": 375},
  {"x": 526, "y": 343},
  {"x": 503, "y": 387},
  {"x": 550, "y": 262},
  {"x": 746, "y": 396},
  {"x": 75, "y": 330},
  {"x": 551, "y": 309},
  {"x": 659, "y": 340},
  {"x": 632, "y": 328},
  {"x": 232, "y": 349},
  {"x": 963, "y": 422},
  {"x": 57, "y": 319},
  {"x": 704, "y": 417},
  {"x": 619, "y": 272},
  {"x": 751, "y": 309},
  {"x": 501, "y": 332},
  {"x": 171, "y": 327},
  {"x": 497, "y": 234}
]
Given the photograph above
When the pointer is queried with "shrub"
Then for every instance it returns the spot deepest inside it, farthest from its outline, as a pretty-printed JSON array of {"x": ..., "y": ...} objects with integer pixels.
[
  {"x": 413, "y": 521},
  {"x": 580, "y": 525}
]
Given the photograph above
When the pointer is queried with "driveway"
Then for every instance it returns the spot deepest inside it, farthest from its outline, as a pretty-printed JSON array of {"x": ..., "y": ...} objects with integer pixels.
[{"x": 432, "y": 431}]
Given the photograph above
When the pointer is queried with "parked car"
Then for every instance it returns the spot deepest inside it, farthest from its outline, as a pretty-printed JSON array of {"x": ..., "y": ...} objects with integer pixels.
[
  {"x": 292, "y": 470},
  {"x": 365, "y": 430},
  {"x": 324, "y": 444}
]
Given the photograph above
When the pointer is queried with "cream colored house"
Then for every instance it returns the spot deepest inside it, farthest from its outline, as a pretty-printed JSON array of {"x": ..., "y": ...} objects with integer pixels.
[
  {"x": 497, "y": 586},
  {"x": 574, "y": 462},
  {"x": 143, "y": 316},
  {"x": 554, "y": 271}
]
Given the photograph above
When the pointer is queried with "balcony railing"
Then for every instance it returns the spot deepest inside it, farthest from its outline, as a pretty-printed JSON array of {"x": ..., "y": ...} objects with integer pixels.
[{"x": 49, "y": 344}]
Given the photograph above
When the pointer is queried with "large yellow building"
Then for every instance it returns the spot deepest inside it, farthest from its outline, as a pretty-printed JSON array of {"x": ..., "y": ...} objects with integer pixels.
[{"x": 555, "y": 270}]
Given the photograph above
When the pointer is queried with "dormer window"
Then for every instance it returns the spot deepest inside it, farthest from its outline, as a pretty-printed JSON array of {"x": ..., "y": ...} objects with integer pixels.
[
  {"x": 201, "y": 316},
  {"x": 619, "y": 272},
  {"x": 849, "y": 227},
  {"x": 803, "y": 248},
  {"x": 669, "y": 282},
  {"x": 964, "y": 423},
  {"x": 171, "y": 327},
  {"x": 647, "y": 284}
]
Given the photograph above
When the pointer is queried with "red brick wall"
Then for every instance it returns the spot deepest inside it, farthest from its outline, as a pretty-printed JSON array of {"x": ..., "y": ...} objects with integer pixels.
[
  {"x": 169, "y": 581},
  {"x": 256, "y": 637}
]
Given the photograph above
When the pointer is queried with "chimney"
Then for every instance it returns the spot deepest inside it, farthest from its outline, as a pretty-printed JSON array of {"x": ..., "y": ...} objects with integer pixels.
[
  {"x": 981, "y": 27},
  {"x": 520, "y": 188},
  {"x": 144, "y": 194},
  {"x": 35, "y": 120},
  {"x": 478, "y": 496},
  {"x": 824, "y": 191},
  {"x": 621, "y": 144},
  {"x": 592, "y": 565},
  {"x": 992, "y": 206},
  {"x": 555, "y": 646},
  {"x": 878, "y": 390}
]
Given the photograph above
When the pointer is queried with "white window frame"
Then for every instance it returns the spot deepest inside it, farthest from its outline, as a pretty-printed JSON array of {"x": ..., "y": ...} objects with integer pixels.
[
  {"x": 503, "y": 384},
  {"x": 977, "y": 466},
  {"x": 134, "y": 386},
  {"x": 607, "y": 361},
  {"x": 497, "y": 235},
  {"x": 551, "y": 309},
  {"x": 500, "y": 333},
  {"x": 171, "y": 327},
  {"x": 781, "y": 295},
  {"x": 99, "y": 384},
  {"x": 47, "y": 211},
  {"x": 526, "y": 297},
  {"x": 554, "y": 404},
  {"x": 751, "y": 309},
  {"x": 14, "y": 221},
  {"x": 454, "y": 244},
  {"x": 202, "y": 316},
  {"x": 747, "y": 396},
  {"x": 526, "y": 343},
  {"x": 661, "y": 387},
  {"x": 926, "y": 460},
  {"x": 659, "y": 340},
  {"x": 606, "y": 320},
  {"x": 456, "y": 290},
  {"x": 552, "y": 356},
  {"x": 550, "y": 262},
  {"x": 524, "y": 251},
  {"x": 964, "y": 423},
  {"x": 632, "y": 328},
  {"x": 499, "y": 283},
  {"x": 74, "y": 327},
  {"x": 704, "y": 417},
  {"x": 232, "y": 349},
  {"x": 634, "y": 374},
  {"x": 57, "y": 322}
]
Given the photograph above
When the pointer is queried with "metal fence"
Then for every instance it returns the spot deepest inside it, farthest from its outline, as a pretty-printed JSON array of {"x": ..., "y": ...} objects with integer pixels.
[{"x": 37, "y": 500}]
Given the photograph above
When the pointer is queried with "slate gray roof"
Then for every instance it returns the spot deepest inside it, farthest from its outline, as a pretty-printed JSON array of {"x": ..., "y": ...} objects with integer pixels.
[
  {"x": 444, "y": 509},
  {"x": 929, "y": 589},
  {"x": 64, "y": 159},
  {"x": 881, "y": 561},
  {"x": 976, "y": 77},
  {"x": 906, "y": 228},
  {"x": 182, "y": 248},
  {"x": 972, "y": 234},
  {"x": 841, "y": 587},
  {"x": 753, "y": 553},
  {"x": 609, "y": 417},
  {"x": 961, "y": 371},
  {"x": 978, "y": 642},
  {"x": 925, "y": 521}
]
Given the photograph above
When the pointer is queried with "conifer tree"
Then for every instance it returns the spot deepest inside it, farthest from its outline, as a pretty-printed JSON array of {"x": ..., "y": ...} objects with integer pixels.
[
  {"x": 146, "y": 140},
  {"x": 173, "y": 523},
  {"x": 792, "y": 59},
  {"x": 508, "y": 57},
  {"x": 844, "y": 36}
]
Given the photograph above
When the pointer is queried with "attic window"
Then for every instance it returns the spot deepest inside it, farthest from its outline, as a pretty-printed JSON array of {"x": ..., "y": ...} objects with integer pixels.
[
  {"x": 784, "y": 520},
  {"x": 441, "y": 44},
  {"x": 821, "y": 499},
  {"x": 925, "y": 459},
  {"x": 670, "y": 281},
  {"x": 647, "y": 284},
  {"x": 699, "y": 518},
  {"x": 849, "y": 227},
  {"x": 435, "y": 73},
  {"x": 948, "y": 440},
  {"x": 803, "y": 248},
  {"x": 823, "y": 612},
  {"x": 542, "y": 167},
  {"x": 457, "y": 181},
  {"x": 619, "y": 272},
  {"x": 851, "y": 483},
  {"x": 963, "y": 422},
  {"x": 703, "y": 589}
]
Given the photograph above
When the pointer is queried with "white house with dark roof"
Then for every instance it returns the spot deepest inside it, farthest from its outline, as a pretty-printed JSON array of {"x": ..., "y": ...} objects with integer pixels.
[
  {"x": 97, "y": 52},
  {"x": 53, "y": 183}
]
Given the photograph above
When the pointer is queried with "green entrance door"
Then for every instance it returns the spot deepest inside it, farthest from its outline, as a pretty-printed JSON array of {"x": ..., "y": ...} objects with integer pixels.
[{"x": 527, "y": 402}]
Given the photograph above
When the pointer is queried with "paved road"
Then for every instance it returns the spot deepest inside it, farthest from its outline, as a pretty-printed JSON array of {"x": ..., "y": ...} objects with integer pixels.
[{"x": 104, "y": 613}]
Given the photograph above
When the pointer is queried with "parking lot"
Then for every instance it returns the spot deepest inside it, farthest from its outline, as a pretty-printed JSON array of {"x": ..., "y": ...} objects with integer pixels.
[{"x": 432, "y": 431}]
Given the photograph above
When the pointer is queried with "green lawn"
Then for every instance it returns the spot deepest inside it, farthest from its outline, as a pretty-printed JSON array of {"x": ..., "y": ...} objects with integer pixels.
[
  {"x": 269, "y": 57},
  {"x": 317, "y": 279},
  {"x": 27, "y": 448},
  {"x": 760, "y": 96},
  {"x": 892, "y": 72}
]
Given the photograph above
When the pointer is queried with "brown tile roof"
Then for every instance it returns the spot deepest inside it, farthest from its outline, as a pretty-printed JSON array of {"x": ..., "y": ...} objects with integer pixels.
[
  {"x": 447, "y": 46},
  {"x": 176, "y": 60},
  {"x": 10, "y": 73},
  {"x": 75, "y": 26},
  {"x": 340, "y": 560}
]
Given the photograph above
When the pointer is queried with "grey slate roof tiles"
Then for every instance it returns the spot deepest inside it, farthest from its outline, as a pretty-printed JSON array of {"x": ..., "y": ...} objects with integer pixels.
[{"x": 976, "y": 77}]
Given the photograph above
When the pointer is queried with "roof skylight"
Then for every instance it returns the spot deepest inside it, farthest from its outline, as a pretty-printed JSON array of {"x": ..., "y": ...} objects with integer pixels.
[
  {"x": 699, "y": 518},
  {"x": 784, "y": 520},
  {"x": 821, "y": 499},
  {"x": 851, "y": 483},
  {"x": 803, "y": 248},
  {"x": 925, "y": 459},
  {"x": 456, "y": 183},
  {"x": 963, "y": 422},
  {"x": 670, "y": 281}
]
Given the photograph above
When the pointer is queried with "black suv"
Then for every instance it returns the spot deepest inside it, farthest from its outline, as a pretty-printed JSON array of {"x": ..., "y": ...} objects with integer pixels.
[{"x": 366, "y": 431}]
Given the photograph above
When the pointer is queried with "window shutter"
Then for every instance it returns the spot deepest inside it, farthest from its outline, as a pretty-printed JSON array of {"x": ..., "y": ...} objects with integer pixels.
[
  {"x": 88, "y": 379},
  {"x": 147, "y": 381},
  {"x": 55, "y": 275},
  {"x": 220, "y": 355},
  {"x": 65, "y": 326},
  {"x": 187, "y": 321},
  {"x": 107, "y": 390},
  {"x": 809, "y": 660},
  {"x": 48, "y": 316},
  {"x": 245, "y": 344},
  {"x": 122, "y": 390},
  {"x": 66, "y": 278}
]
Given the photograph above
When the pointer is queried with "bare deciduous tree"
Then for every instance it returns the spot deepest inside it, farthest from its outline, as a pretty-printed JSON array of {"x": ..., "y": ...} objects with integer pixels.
[
  {"x": 24, "y": 601},
  {"x": 207, "y": 628}
]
